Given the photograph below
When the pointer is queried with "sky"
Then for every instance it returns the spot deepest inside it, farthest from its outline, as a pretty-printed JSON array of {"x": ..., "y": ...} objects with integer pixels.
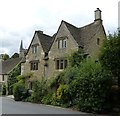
[{"x": 19, "y": 19}]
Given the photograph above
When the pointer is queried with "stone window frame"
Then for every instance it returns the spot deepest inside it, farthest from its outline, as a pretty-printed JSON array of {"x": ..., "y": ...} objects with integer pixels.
[
  {"x": 61, "y": 63},
  {"x": 35, "y": 48},
  {"x": 34, "y": 65},
  {"x": 62, "y": 42}
]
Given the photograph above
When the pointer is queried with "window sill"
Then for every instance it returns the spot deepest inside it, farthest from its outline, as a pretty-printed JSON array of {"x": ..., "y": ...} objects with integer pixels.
[{"x": 60, "y": 70}]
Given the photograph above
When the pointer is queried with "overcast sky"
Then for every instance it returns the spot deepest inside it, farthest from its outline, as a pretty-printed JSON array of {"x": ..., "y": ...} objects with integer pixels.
[{"x": 20, "y": 18}]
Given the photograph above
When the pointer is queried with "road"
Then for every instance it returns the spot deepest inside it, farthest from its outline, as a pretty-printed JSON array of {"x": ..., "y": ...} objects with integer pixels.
[{"x": 9, "y": 106}]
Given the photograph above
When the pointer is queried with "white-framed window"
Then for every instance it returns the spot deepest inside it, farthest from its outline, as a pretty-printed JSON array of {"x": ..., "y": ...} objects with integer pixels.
[
  {"x": 62, "y": 43},
  {"x": 61, "y": 64}
]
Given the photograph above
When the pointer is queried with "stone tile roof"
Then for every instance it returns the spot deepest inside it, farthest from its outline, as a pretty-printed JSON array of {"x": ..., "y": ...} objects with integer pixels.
[
  {"x": 83, "y": 34},
  {"x": 88, "y": 32},
  {"x": 75, "y": 32},
  {"x": 8, "y": 65},
  {"x": 45, "y": 41}
]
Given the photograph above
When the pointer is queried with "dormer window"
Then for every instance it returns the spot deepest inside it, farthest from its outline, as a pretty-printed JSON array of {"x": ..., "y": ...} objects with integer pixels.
[{"x": 62, "y": 43}]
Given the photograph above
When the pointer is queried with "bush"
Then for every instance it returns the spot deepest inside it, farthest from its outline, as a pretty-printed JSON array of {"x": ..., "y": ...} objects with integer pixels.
[
  {"x": 39, "y": 91},
  {"x": 93, "y": 88},
  {"x": 12, "y": 78},
  {"x": 47, "y": 99},
  {"x": 4, "y": 89},
  {"x": 19, "y": 92},
  {"x": 61, "y": 95}
]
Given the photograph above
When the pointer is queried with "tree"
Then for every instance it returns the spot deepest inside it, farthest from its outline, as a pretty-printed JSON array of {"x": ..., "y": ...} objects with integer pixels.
[
  {"x": 76, "y": 58},
  {"x": 5, "y": 56},
  {"x": 92, "y": 87},
  {"x": 12, "y": 78},
  {"x": 15, "y": 55},
  {"x": 110, "y": 55}
]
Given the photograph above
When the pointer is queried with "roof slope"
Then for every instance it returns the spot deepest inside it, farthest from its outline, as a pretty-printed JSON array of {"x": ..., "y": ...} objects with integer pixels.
[
  {"x": 83, "y": 34},
  {"x": 9, "y": 65},
  {"x": 88, "y": 32},
  {"x": 45, "y": 41},
  {"x": 75, "y": 32}
]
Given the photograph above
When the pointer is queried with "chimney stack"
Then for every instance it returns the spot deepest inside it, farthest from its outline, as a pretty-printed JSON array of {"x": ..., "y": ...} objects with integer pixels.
[{"x": 98, "y": 17}]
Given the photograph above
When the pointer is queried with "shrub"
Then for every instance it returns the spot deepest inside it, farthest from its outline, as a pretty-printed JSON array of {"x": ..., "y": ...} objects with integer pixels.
[
  {"x": 12, "y": 78},
  {"x": 4, "y": 89},
  {"x": 93, "y": 87},
  {"x": 47, "y": 99},
  {"x": 76, "y": 58},
  {"x": 110, "y": 55},
  {"x": 39, "y": 91},
  {"x": 19, "y": 92},
  {"x": 61, "y": 95}
]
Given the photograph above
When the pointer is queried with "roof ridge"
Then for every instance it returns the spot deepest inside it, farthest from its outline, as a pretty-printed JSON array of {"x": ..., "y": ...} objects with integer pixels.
[
  {"x": 43, "y": 34},
  {"x": 45, "y": 41},
  {"x": 69, "y": 24},
  {"x": 87, "y": 25},
  {"x": 11, "y": 59}
]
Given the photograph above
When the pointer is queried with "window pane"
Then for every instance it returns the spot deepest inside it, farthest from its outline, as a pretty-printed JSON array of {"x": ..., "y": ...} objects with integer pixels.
[
  {"x": 60, "y": 44},
  {"x": 34, "y": 66},
  {"x": 34, "y": 49},
  {"x": 64, "y": 43},
  {"x": 57, "y": 64},
  {"x": 61, "y": 64},
  {"x": 65, "y": 63}
]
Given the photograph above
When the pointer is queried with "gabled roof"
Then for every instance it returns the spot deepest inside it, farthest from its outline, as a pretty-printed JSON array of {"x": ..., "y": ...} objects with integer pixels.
[
  {"x": 45, "y": 41},
  {"x": 9, "y": 65},
  {"x": 75, "y": 32},
  {"x": 85, "y": 33}
]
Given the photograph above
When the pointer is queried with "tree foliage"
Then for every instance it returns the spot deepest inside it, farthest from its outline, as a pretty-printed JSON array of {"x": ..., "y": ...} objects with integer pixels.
[
  {"x": 5, "y": 56},
  {"x": 92, "y": 87},
  {"x": 110, "y": 55},
  {"x": 76, "y": 58},
  {"x": 20, "y": 91},
  {"x": 12, "y": 78}
]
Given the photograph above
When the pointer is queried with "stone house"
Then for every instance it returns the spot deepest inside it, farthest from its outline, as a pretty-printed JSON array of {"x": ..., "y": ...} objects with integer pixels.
[{"x": 47, "y": 55}]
